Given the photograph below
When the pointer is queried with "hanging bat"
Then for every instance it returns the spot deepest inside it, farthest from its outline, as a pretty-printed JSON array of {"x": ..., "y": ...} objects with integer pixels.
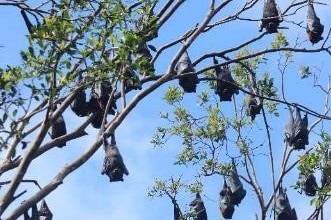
[
  {"x": 113, "y": 165},
  {"x": 34, "y": 213},
  {"x": 236, "y": 187},
  {"x": 79, "y": 105},
  {"x": 283, "y": 209},
  {"x": 253, "y": 107},
  {"x": 289, "y": 128},
  {"x": 225, "y": 85},
  {"x": 188, "y": 82},
  {"x": 103, "y": 90},
  {"x": 198, "y": 208},
  {"x": 96, "y": 110},
  {"x": 314, "y": 27},
  {"x": 309, "y": 184},
  {"x": 271, "y": 17},
  {"x": 300, "y": 136},
  {"x": 58, "y": 128},
  {"x": 44, "y": 212},
  {"x": 226, "y": 206},
  {"x": 98, "y": 101}
]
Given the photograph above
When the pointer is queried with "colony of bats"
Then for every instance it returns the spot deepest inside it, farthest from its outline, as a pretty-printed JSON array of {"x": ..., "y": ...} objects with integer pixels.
[{"x": 102, "y": 102}]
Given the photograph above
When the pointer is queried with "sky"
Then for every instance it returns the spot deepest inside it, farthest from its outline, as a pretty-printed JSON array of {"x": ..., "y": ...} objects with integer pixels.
[{"x": 87, "y": 195}]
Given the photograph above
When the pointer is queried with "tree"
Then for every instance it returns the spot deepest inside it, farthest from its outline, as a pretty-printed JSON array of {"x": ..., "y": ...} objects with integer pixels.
[{"x": 99, "y": 59}]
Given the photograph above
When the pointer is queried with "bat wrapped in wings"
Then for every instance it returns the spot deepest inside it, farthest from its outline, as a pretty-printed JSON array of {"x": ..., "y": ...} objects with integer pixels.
[
  {"x": 113, "y": 165},
  {"x": 225, "y": 202},
  {"x": 58, "y": 127},
  {"x": 271, "y": 17},
  {"x": 314, "y": 27},
  {"x": 296, "y": 130},
  {"x": 188, "y": 82},
  {"x": 236, "y": 187},
  {"x": 226, "y": 87},
  {"x": 283, "y": 208},
  {"x": 198, "y": 208}
]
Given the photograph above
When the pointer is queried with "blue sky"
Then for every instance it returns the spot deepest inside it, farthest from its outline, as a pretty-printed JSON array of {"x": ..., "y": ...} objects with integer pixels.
[{"x": 87, "y": 195}]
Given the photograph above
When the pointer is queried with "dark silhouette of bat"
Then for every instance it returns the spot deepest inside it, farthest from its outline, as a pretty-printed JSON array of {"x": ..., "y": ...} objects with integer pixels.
[
  {"x": 113, "y": 165},
  {"x": 300, "y": 137},
  {"x": 225, "y": 85},
  {"x": 103, "y": 90},
  {"x": 296, "y": 130},
  {"x": 198, "y": 208},
  {"x": 188, "y": 82},
  {"x": 271, "y": 17},
  {"x": 79, "y": 105},
  {"x": 58, "y": 128},
  {"x": 314, "y": 27},
  {"x": 283, "y": 209},
  {"x": 44, "y": 212},
  {"x": 289, "y": 128},
  {"x": 226, "y": 206},
  {"x": 253, "y": 107},
  {"x": 34, "y": 213},
  {"x": 309, "y": 184},
  {"x": 100, "y": 96},
  {"x": 236, "y": 187}
]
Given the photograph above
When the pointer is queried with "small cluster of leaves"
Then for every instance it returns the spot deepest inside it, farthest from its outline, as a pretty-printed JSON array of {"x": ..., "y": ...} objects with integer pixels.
[
  {"x": 173, "y": 95},
  {"x": 304, "y": 72},
  {"x": 279, "y": 41}
]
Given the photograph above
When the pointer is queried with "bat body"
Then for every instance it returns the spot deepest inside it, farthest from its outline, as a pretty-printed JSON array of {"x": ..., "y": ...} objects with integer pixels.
[
  {"x": 296, "y": 130},
  {"x": 253, "y": 107},
  {"x": 96, "y": 110},
  {"x": 100, "y": 96},
  {"x": 113, "y": 165},
  {"x": 271, "y": 17},
  {"x": 226, "y": 205},
  {"x": 236, "y": 187},
  {"x": 58, "y": 128},
  {"x": 79, "y": 105},
  {"x": 44, "y": 212},
  {"x": 300, "y": 137},
  {"x": 226, "y": 87},
  {"x": 289, "y": 129},
  {"x": 309, "y": 185},
  {"x": 314, "y": 27},
  {"x": 188, "y": 82},
  {"x": 34, "y": 213},
  {"x": 103, "y": 90},
  {"x": 283, "y": 209},
  {"x": 198, "y": 208}
]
